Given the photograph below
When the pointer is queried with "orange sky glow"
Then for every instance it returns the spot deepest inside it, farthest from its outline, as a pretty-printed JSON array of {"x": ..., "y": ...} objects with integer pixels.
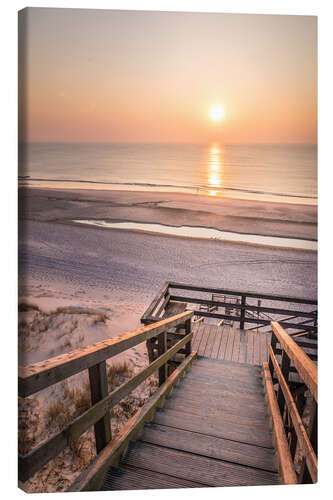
[{"x": 116, "y": 76}]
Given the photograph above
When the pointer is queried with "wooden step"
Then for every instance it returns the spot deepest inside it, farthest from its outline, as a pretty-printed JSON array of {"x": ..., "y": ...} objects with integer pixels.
[
  {"x": 223, "y": 372},
  {"x": 197, "y": 410},
  {"x": 227, "y": 403},
  {"x": 247, "y": 386},
  {"x": 196, "y": 468},
  {"x": 134, "y": 478},
  {"x": 235, "y": 408},
  {"x": 212, "y": 447},
  {"x": 215, "y": 392},
  {"x": 219, "y": 427},
  {"x": 243, "y": 367}
]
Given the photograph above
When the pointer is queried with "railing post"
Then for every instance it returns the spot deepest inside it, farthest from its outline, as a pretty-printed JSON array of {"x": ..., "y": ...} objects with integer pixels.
[
  {"x": 273, "y": 345},
  {"x": 98, "y": 390},
  {"x": 242, "y": 315},
  {"x": 162, "y": 347},
  {"x": 285, "y": 366},
  {"x": 187, "y": 332},
  {"x": 299, "y": 401}
]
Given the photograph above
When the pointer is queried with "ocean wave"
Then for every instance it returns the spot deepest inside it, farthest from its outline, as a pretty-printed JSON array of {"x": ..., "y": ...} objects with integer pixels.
[{"x": 197, "y": 188}]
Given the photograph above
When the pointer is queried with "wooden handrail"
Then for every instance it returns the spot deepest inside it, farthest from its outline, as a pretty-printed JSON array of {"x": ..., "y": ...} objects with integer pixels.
[
  {"x": 38, "y": 376},
  {"x": 223, "y": 291},
  {"x": 303, "y": 364},
  {"x": 303, "y": 438},
  {"x": 247, "y": 307},
  {"x": 286, "y": 466},
  {"x": 41, "y": 375},
  {"x": 43, "y": 453},
  {"x": 243, "y": 314}
]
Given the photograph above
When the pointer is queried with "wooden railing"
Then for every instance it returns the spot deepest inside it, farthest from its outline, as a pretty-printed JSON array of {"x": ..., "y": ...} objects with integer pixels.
[
  {"x": 287, "y": 407},
  {"x": 291, "y": 318},
  {"x": 34, "y": 378}
]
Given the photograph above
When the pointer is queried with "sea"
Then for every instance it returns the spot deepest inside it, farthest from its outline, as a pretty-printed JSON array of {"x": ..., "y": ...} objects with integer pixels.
[{"x": 270, "y": 172}]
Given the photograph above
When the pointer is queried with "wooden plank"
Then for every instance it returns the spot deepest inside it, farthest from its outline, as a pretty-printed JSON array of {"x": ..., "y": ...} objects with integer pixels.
[
  {"x": 36, "y": 377},
  {"x": 221, "y": 428},
  {"x": 247, "y": 387},
  {"x": 203, "y": 343},
  {"x": 304, "y": 365},
  {"x": 212, "y": 447},
  {"x": 224, "y": 341},
  {"x": 303, "y": 438},
  {"x": 163, "y": 306},
  {"x": 182, "y": 408},
  {"x": 197, "y": 334},
  {"x": 243, "y": 347},
  {"x": 149, "y": 311},
  {"x": 228, "y": 368},
  {"x": 256, "y": 348},
  {"x": 98, "y": 391},
  {"x": 286, "y": 465},
  {"x": 263, "y": 347},
  {"x": 226, "y": 404},
  {"x": 202, "y": 361},
  {"x": 217, "y": 342},
  {"x": 134, "y": 478},
  {"x": 30, "y": 463},
  {"x": 195, "y": 467},
  {"x": 92, "y": 477},
  {"x": 236, "y": 346},
  {"x": 210, "y": 340},
  {"x": 250, "y": 347},
  {"x": 206, "y": 390}
]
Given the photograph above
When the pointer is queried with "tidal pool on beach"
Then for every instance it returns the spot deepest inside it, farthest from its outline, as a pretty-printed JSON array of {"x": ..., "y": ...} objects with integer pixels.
[{"x": 205, "y": 233}]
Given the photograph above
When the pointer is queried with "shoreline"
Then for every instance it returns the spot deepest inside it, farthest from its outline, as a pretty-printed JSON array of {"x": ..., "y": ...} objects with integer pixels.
[
  {"x": 199, "y": 190},
  {"x": 205, "y": 191},
  {"x": 172, "y": 209}
]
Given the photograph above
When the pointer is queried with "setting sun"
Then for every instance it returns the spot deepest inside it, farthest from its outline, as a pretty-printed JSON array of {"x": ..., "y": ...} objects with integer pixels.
[{"x": 216, "y": 113}]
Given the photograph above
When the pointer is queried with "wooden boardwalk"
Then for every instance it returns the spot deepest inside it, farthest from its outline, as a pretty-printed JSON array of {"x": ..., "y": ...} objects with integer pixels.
[
  {"x": 213, "y": 430},
  {"x": 210, "y": 422},
  {"x": 231, "y": 344}
]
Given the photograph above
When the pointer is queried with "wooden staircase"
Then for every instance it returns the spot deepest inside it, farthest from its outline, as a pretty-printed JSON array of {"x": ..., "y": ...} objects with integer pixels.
[{"x": 213, "y": 430}]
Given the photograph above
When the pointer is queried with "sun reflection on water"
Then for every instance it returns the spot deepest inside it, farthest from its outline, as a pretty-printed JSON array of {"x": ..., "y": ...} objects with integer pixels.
[{"x": 215, "y": 169}]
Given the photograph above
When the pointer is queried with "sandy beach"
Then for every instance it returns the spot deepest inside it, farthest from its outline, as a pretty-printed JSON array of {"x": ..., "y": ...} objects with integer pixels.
[
  {"x": 117, "y": 272},
  {"x": 81, "y": 284}
]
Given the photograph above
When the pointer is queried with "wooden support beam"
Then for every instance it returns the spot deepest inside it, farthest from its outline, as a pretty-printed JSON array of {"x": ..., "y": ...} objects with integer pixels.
[
  {"x": 242, "y": 314},
  {"x": 99, "y": 390},
  {"x": 187, "y": 332},
  {"x": 303, "y": 438},
  {"x": 285, "y": 367},
  {"x": 286, "y": 466},
  {"x": 162, "y": 348}
]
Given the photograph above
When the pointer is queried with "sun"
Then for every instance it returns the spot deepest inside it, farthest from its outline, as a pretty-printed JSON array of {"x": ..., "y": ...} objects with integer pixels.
[{"x": 216, "y": 113}]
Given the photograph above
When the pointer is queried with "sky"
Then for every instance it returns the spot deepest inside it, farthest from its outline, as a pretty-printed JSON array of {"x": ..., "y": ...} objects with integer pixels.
[{"x": 117, "y": 76}]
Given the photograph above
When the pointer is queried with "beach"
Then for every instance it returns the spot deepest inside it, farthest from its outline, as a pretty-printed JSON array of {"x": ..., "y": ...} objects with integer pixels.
[
  {"x": 123, "y": 269},
  {"x": 80, "y": 284}
]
